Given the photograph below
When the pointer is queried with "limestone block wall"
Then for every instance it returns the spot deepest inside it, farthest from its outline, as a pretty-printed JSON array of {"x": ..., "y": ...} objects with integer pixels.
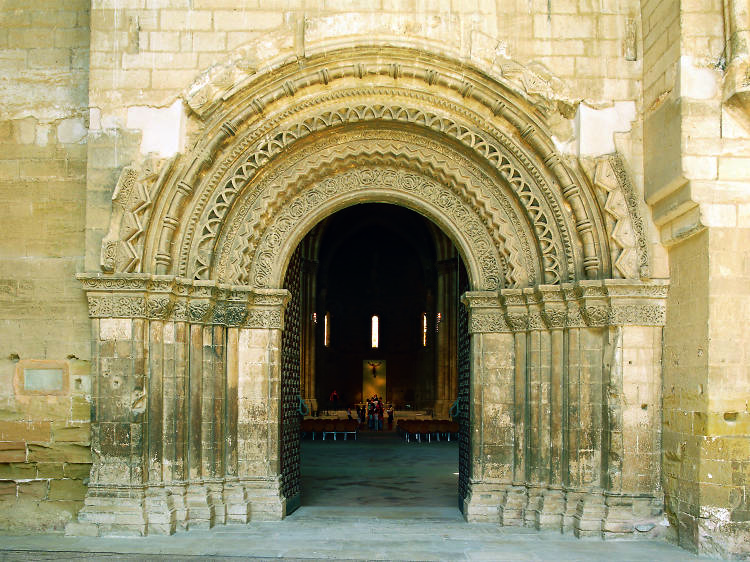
[
  {"x": 44, "y": 429},
  {"x": 697, "y": 165}
]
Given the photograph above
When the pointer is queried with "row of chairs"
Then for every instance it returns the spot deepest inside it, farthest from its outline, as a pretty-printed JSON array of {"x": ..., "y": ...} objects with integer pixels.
[
  {"x": 416, "y": 429},
  {"x": 330, "y": 427}
]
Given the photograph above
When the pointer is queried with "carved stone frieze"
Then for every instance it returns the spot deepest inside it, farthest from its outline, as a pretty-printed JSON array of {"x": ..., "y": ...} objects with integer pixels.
[
  {"x": 518, "y": 321},
  {"x": 198, "y": 311},
  {"x": 641, "y": 314},
  {"x": 555, "y": 317},
  {"x": 483, "y": 321},
  {"x": 593, "y": 304},
  {"x": 181, "y": 300},
  {"x": 596, "y": 316},
  {"x": 267, "y": 258},
  {"x": 116, "y": 306},
  {"x": 261, "y": 318},
  {"x": 158, "y": 307}
]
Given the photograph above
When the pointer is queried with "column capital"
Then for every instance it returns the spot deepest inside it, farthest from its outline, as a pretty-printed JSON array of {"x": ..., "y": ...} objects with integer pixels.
[{"x": 169, "y": 298}]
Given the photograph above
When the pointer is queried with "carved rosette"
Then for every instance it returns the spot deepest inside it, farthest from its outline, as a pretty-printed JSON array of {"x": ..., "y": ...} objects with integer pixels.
[
  {"x": 592, "y": 304},
  {"x": 172, "y": 299}
]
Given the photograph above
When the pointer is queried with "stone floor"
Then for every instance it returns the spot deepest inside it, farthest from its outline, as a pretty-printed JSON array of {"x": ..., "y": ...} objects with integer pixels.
[{"x": 376, "y": 498}]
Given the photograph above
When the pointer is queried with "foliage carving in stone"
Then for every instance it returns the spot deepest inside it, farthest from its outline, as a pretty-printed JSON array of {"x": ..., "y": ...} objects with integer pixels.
[
  {"x": 270, "y": 319},
  {"x": 265, "y": 259},
  {"x": 488, "y": 322}
]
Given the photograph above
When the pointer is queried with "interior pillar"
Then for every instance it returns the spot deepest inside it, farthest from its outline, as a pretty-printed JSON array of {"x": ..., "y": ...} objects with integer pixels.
[{"x": 446, "y": 375}]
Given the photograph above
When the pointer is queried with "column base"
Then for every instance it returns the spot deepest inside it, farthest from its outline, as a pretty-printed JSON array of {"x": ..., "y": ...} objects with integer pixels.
[
  {"x": 179, "y": 501},
  {"x": 237, "y": 504},
  {"x": 216, "y": 498},
  {"x": 111, "y": 511},
  {"x": 553, "y": 507},
  {"x": 533, "y": 507},
  {"x": 200, "y": 508},
  {"x": 483, "y": 502},
  {"x": 160, "y": 511},
  {"x": 513, "y": 510},
  {"x": 590, "y": 513},
  {"x": 266, "y": 500}
]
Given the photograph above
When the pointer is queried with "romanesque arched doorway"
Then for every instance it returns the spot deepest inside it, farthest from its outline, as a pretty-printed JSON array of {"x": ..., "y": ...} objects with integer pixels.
[
  {"x": 189, "y": 312},
  {"x": 384, "y": 262}
]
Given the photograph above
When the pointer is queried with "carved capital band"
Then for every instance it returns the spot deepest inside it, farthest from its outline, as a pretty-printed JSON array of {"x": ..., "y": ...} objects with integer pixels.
[
  {"x": 573, "y": 305},
  {"x": 168, "y": 298}
]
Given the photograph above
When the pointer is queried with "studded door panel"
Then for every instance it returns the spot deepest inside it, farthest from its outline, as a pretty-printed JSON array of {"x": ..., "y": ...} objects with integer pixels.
[
  {"x": 464, "y": 385},
  {"x": 290, "y": 383}
]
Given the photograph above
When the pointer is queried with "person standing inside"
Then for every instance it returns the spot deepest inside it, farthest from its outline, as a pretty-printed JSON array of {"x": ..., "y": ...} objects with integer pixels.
[
  {"x": 334, "y": 399},
  {"x": 390, "y": 417}
]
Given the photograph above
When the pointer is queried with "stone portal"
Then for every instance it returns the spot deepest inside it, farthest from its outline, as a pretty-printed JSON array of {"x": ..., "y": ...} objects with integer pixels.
[{"x": 561, "y": 395}]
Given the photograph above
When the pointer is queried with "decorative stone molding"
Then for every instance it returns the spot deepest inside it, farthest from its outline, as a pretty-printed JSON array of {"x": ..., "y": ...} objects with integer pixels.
[
  {"x": 571, "y": 305},
  {"x": 266, "y": 267},
  {"x": 257, "y": 121},
  {"x": 314, "y": 37},
  {"x": 528, "y": 188},
  {"x": 181, "y": 300},
  {"x": 122, "y": 246}
]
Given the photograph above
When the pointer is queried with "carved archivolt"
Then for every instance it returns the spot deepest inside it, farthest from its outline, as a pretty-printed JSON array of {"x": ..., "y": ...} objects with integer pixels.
[
  {"x": 622, "y": 219},
  {"x": 217, "y": 213},
  {"x": 383, "y": 167},
  {"x": 393, "y": 184},
  {"x": 540, "y": 204}
]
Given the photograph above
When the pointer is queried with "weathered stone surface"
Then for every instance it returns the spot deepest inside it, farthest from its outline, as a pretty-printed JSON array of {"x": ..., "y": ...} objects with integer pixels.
[
  {"x": 8, "y": 489},
  {"x": 105, "y": 137},
  {"x": 49, "y": 469},
  {"x": 17, "y": 471},
  {"x": 24, "y": 431},
  {"x": 80, "y": 433},
  {"x": 36, "y": 489},
  {"x": 67, "y": 489},
  {"x": 77, "y": 470},
  {"x": 12, "y": 451},
  {"x": 59, "y": 453}
]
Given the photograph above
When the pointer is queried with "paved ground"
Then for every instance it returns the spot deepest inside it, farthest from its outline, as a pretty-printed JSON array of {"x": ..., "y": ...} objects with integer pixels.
[{"x": 374, "y": 499}]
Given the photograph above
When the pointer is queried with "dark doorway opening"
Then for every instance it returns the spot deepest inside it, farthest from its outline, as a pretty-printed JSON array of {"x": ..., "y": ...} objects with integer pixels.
[{"x": 376, "y": 311}]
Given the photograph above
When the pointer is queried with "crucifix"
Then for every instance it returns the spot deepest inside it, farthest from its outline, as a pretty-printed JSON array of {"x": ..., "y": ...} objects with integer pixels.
[{"x": 374, "y": 365}]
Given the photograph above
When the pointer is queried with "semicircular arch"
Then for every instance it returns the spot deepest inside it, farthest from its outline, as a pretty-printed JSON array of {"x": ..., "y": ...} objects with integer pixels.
[
  {"x": 420, "y": 163},
  {"x": 259, "y": 126}
]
